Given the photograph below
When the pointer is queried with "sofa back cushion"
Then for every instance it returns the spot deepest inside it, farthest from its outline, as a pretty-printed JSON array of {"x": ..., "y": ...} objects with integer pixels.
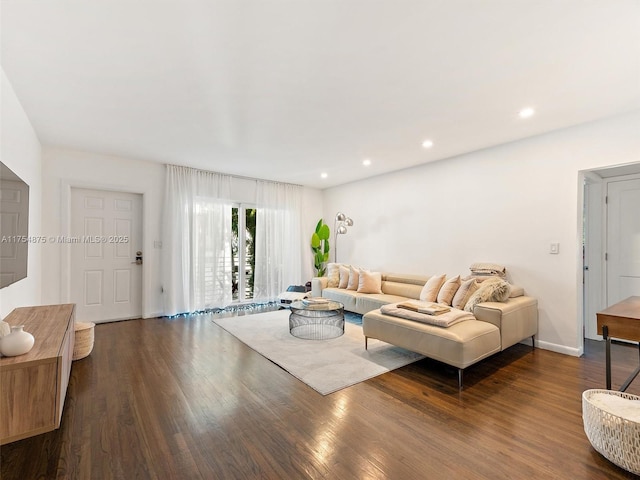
[
  {"x": 403, "y": 285},
  {"x": 402, "y": 289},
  {"x": 516, "y": 291},
  {"x": 405, "y": 278}
]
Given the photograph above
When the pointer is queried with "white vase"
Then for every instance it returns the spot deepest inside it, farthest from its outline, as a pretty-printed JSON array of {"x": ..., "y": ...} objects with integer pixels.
[{"x": 18, "y": 342}]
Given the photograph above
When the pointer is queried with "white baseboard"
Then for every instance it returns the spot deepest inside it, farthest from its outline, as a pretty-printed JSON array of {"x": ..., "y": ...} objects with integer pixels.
[
  {"x": 554, "y": 347},
  {"x": 149, "y": 315},
  {"x": 114, "y": 320}
]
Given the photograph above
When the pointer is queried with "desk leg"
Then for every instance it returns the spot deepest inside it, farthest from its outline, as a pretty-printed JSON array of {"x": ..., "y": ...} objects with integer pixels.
[
  {"x": 631, "y": 377},
  {"x": 607, "y": 339}
]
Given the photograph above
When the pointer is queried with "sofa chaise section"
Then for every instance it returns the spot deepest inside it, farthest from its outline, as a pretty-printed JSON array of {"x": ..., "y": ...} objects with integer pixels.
[
  {"x": 498, "y": 326},
  {"x": 459, "y": 345}
]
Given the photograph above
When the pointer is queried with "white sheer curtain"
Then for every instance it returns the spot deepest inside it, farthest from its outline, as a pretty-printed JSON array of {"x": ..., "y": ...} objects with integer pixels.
[
  {"x": 278, "y": 239},
  {"x": 197, "y": 264}
]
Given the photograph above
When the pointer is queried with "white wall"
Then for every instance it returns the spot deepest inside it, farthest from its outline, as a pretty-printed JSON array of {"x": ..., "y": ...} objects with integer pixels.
[
  {"x": 20, "y": 151},
  {"x": 65, "y": 168},
  {"x": 504, "y": 205},
  {"x": 312, "y": 212}
]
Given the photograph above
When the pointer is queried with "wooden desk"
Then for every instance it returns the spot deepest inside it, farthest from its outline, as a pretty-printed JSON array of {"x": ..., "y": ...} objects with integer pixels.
[
  {"x": 621, "y": 320},
  {"x": 33, "y": 386}
]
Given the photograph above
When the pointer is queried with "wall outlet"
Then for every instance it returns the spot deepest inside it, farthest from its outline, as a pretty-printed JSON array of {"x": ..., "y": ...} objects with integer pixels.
[{"x": 554, "y": 249}]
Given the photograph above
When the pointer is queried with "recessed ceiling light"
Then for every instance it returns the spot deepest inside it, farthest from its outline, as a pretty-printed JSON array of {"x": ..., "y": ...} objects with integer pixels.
[
  {"x": 366, "y": 162},
  {"x": 427, "y": 144},
  {"x": 526, "y": 112},
  {"x": 324, "y": 175}
]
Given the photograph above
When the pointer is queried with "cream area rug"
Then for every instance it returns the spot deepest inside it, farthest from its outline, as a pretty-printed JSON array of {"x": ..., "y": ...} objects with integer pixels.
[{"x": 324, "y": 365}]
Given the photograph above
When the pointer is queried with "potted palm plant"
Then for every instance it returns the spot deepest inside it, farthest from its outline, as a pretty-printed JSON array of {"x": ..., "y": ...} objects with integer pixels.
[{"x": 320, "y": 247}]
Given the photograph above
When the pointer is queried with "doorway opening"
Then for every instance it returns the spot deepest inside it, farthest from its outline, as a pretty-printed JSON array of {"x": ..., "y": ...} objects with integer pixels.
[{"x": 610, "y": 240}]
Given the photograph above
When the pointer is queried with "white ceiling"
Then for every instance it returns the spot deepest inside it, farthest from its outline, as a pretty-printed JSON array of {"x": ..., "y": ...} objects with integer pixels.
[{"x": 287, "y": 89}]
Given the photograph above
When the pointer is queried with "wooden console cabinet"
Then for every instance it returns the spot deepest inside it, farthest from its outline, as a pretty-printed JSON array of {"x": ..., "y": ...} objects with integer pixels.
[{"x": 33, "y": 386}]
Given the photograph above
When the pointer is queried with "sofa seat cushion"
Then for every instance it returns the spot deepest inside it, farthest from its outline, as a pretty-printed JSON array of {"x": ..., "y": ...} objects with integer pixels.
[
  {"x": 366, "y": 303},
  {"x": 459, "y": 345},
  {"x": 345, "y": 297},
  {"x": 360, "y": 302}
]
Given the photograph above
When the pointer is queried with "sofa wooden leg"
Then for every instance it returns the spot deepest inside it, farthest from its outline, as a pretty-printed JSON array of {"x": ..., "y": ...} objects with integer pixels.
[
  {"x": 533, "y": 342},
  {"x": 460, "y": 378},
  {"x": 365, "y": 342}
]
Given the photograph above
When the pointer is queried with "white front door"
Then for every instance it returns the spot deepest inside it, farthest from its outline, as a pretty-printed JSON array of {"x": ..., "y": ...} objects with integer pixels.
[
  {"x": 105, "y": 238},
  {"x": 623, "y": 240}
]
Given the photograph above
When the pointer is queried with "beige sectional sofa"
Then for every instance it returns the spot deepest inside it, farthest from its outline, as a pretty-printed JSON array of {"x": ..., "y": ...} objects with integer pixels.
[{"x": 497, "y": 325}]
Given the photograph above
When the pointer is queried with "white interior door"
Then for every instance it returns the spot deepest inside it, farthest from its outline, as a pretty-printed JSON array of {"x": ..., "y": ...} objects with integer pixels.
[
  {"x": 593, "y": 256},
  {"x": 106, "y": 234},
  {"x": 623, "y": 240}
]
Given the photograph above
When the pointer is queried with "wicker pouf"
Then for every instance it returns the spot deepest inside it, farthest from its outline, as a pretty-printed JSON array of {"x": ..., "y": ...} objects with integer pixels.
[
  {"x": 84, "y": 340},
  {"x": 612, "y": 426}
]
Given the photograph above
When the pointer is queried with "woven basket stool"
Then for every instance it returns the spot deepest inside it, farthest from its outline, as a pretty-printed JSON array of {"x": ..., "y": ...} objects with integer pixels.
[
  {"x": 612, "y": 434},
  {"x": 84, "y": 340}
]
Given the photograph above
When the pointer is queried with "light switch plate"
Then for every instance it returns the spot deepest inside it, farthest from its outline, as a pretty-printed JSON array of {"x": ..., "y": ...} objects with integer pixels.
[{"x": 554, "y": 249}]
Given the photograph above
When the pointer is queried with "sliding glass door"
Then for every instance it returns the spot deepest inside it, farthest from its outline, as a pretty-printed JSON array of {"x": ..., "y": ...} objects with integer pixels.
[{"x": 243, "y": 249}]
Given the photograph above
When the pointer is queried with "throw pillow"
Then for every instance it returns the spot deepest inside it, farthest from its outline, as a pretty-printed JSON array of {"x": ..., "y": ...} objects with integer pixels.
[
  {"x": 344, "y": 277},
  {"x": 448, "y": 290},
  {"x": 489, "y": 291},
  {"x": 369, "y": 282},
  {"x": 353, "y": 278},
  {"x": 333, "y": 274},
  {"x": 430, "y": 290},
  {"x": 463, "y": 294}
]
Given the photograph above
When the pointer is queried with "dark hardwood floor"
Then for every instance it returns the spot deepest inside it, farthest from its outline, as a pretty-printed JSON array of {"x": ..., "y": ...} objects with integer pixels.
[{"x": 183, "y": 399}]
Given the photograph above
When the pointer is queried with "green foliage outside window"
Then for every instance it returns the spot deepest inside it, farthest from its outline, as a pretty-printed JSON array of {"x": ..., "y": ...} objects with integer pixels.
[{"x": 249, "y": 249}]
